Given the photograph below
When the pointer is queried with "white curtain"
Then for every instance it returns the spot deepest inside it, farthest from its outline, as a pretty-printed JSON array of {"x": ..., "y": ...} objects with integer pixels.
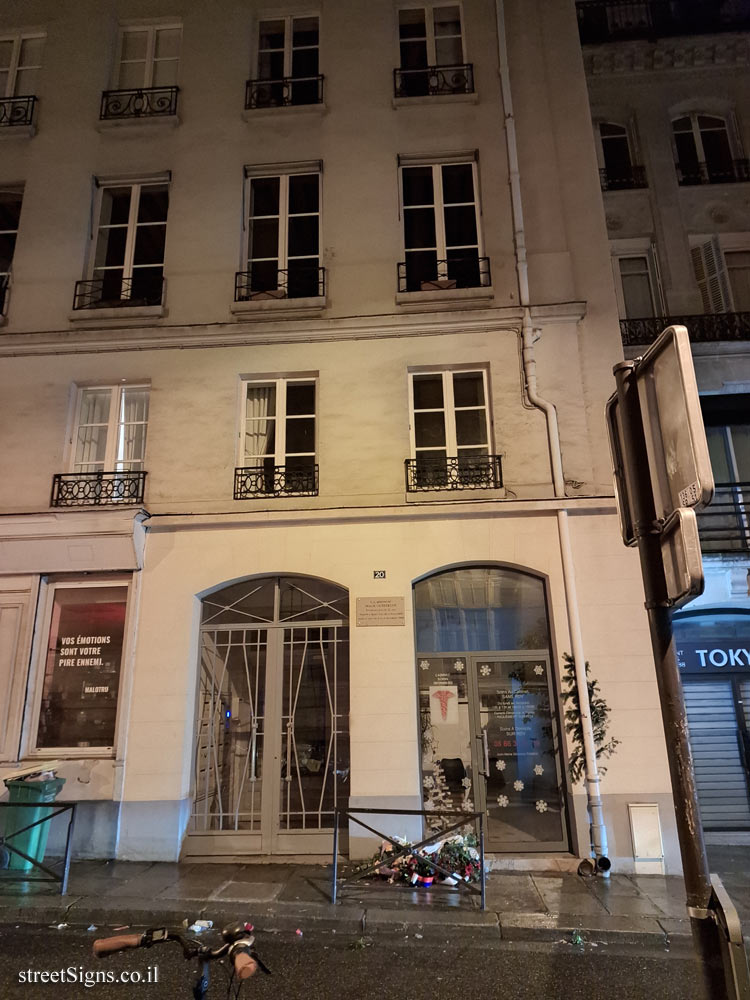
[
  {"x": 131, "y": 429},
  {"x": 93, "y": 420},
  {"x": 260, "y": 421}
]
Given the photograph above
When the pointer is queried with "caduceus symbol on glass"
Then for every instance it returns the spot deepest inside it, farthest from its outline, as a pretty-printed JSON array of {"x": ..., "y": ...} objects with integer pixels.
[{"x": 442, "y": 697}]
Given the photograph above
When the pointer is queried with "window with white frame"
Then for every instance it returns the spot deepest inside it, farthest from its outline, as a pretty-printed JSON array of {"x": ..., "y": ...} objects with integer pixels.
[
  {"x": 431, "y": 47},
  {"x": 738, "y": 271},
  {"x": 127, "y": 259},
  {"x": 277, "y": 450},
  {"x": 617, "y": 167},
  {"x": 282, "y": 253},
  {"x": 442, "y": 232},
  {"x": 450, "y": 430},
  {"x": 109, "y": 433},
  {"x": 20, "y": 61},
  {"x": 707, "y": 150},
  {"x": 149, "y": 56},
  {"x": 725, "y": 524},
  {"x": 10, "y": 213},
  {"x": 288, "y": 63},
  {"x": 638, "y": 292},
  {"x": 79, "y": 676}
]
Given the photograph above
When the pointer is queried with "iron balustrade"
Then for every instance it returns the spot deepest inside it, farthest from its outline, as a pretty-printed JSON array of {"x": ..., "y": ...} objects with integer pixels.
[
  {"x": 284, "y": 92},
  {"x": 294, "y": 282},
  {"x": 692, "y": 174},
  {"x": 478, "y": 472},
  {"x": 16, "y": 111},
  {"x": 724, "y": 526},
  {"x": 115, "y": 292},
  {"x": 624, "y": 20},
  {"x": 626, "y": 179},
  {"x": 83, "y": 489},
  {"x": 140, "y": 102},
  {"x": 3, "y": 292},
  {"x": 703, "y": 329},
  {"x": 10, "y": 830},
  {"x": 275, "y": 480},
  {"x": 433, "y": 80},
  {"x": 417, "y": 274}
]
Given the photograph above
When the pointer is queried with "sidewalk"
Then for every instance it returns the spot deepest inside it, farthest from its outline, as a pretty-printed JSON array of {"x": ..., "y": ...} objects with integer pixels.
[{"x": 540, "y": 905}]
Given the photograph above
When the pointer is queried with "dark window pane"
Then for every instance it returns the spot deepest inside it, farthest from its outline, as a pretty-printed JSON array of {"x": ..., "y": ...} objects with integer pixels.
[
  {"x": 707, "y": 121},
  {"x": 270, "y": 65},
  {"x": 471, "y": 427},
  {"x": 303, "y": 278},
  {"x": 7, "y": 246},
  {"x": 149, "y": 245},
  {"x": 617, "y": 158},
  {"x": 10, "y": 210},
  {"x": 153, "y": 204},
  {"x": 447, "y": 21},
  {"x": 271, "y": 34},
  {"x": 300, "y": 398},
  {"x": 718, "y": 155},
  {"x": 687, "y": 155},
  {"x": 448, "y": 52},
  {"x": 146, "y": 285},
  {"x": 264, "y": 238},
  {"x": 429, "y": 429},
  {"x": 411, "y": 24},
  {"x": 264, "y": 276},
  {"x": 110, "y": 249},
  {"x": 468, "y": 389},
  {"x": 607, "y": 129},
  {"x": 414, "y": 56},
  {"x": 421, "y": 265},
  {"x": 303, "y": 235},
  {"x": 458, "y": 183},
  {"x": 305, "y": 63},
  {"x": 300, "y": 434},
  {"x": 264, "y": 196},
  {"x": 110, "y": 286},
  {"x": 418, "y": 188},
  {"x": 428, "y": 392},
  {"x": 419, "y": 228},
  {"x": 304, "y": 31},
  {"x": 115, "y": 206},
  {"x": 463, "y": 268},
  {"x": 460, "y": 226},
  {"x": 682, "y": 125},
  {"x": 303, "y": 193}
]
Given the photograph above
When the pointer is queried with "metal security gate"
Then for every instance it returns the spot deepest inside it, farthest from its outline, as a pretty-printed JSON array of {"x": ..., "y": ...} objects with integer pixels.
[{"x": 272, "y": 735}]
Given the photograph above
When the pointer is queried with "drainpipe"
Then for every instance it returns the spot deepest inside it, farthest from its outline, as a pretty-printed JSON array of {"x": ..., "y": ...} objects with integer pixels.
[{"x": 528, "y": 338}]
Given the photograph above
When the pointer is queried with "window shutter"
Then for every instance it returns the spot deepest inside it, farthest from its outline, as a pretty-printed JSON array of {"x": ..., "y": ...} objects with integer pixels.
[{"x": 711, "y": 275}]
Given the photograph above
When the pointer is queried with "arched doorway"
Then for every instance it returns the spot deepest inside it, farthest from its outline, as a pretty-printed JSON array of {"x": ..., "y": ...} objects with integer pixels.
[
  {"x": 487, "y": 704},
  {"x": 272, "y": 734}
]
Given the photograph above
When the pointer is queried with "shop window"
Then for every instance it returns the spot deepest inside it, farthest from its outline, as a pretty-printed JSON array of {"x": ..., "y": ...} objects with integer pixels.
[{"x": 79, "y": 680}]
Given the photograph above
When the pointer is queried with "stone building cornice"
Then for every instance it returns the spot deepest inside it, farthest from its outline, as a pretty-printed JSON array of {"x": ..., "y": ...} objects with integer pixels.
[{"x": 667, "y": 54}]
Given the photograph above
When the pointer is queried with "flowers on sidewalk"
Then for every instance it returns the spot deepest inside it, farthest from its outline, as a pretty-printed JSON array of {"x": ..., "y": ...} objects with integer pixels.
[{"x": 456, "y": 854}]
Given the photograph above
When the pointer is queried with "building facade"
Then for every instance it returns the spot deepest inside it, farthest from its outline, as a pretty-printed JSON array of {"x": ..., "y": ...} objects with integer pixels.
[
  {"x": 308, "y": 328},
  {"x": 672, "y": 147}
]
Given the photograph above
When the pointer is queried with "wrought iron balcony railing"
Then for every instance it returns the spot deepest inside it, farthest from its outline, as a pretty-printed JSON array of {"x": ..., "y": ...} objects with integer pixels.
[
  {"x": 724, "y": 526},
  {"x": 633, "y": 176},
  {"x": 82, "y": 489},
  {"x": 691, "y": 174},
  {"x": 275, "y": 480},
  {"x": 293, "y": 282},
  {"x": 622, "y": 20},
  {"x": 16, "y": 111},
  {"x": 419, "y": 273},
  {"x": 703, "y": 329},
  {"x": 142, "y": 102},
  {"x": 282, "y": 93},
  {"x": 3, "y": 292},
  {"x": 433, "y": 80},
  {"x": 115, "y": 292},
  {"x": 475, "y": 472}
]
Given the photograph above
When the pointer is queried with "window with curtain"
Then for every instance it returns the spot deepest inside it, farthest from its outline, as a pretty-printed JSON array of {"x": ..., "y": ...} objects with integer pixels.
[
  {"x": 278, "y": 436},
  {"x": 110, "y": 429}
]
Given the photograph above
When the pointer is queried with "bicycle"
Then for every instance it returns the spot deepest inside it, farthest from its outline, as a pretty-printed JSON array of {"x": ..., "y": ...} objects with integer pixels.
[{"x": 238, "y": 947}]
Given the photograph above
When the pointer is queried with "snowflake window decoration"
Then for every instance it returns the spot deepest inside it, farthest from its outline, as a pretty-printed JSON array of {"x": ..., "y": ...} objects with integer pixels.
[
  {"x": 541, "y": 806},
  {"x": 466, "y": 782},
  {"x": 500, "y": 765},
  {"x": 458, "y": 665},
  {"x": 518, "y": 785},
  {"x": 428, "y": 782},
  {"x": 485, "y": 670},
  {"x": 539, "y": 670},
  {"x": 424, "y": 664},
  {"x": 502, "y": 801},
  {"x": 538, "y": 769}
]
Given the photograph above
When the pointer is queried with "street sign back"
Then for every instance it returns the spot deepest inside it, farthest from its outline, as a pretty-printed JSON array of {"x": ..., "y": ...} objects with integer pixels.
[
  {"x": 678, "y": 459},
  {"x": 681, "y": 558}
]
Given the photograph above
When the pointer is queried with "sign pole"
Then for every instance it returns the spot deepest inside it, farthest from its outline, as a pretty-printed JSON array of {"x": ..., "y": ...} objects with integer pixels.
[{"x": 647, "y": 532}]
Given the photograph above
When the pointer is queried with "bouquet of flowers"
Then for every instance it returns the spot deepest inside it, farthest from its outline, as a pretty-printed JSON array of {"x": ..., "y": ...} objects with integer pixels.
[{"x": 457, "y": 854}]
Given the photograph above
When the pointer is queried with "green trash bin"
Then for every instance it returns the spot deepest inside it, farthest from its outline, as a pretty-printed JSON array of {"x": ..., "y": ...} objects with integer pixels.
[{"x": 34, "y": 841}]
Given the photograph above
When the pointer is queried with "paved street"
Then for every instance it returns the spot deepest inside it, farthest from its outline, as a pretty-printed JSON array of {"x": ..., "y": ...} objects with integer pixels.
[{"x": 322, "y": 965}]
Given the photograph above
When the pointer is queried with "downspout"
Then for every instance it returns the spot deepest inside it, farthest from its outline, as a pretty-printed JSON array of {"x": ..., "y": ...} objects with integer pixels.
[{"x": 528, "y": 339}]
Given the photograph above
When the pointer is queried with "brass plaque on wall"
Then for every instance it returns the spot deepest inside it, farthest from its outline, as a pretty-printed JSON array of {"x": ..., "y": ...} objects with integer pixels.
[{"x": 380, "y": 611}]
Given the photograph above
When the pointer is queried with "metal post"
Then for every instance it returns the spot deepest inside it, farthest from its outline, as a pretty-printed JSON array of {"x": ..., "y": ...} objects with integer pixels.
[
  {"x": 335, "y": 855},
  {"x": 689, "y": 830},
  {"x": 481, "y": 861},
  {"x": 68, "y": 850}
]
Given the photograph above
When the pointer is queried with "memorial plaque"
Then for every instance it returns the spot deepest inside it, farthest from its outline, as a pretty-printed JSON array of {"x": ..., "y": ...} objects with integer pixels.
[{"x": 380, "y": 611}]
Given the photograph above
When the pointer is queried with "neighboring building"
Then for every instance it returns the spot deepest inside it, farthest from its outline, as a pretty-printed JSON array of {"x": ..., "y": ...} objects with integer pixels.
[
  {"x": 284, "y": 521},
  {"x": 669, "y": 85}
]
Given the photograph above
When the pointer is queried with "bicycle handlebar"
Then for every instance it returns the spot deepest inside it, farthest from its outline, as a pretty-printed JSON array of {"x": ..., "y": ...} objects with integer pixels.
[
  {"x": 244, "y": 965},
  {"x": 121, "y": 942}
]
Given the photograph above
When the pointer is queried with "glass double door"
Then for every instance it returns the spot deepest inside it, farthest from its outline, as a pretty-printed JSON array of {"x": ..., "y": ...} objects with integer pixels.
[
  {"x": 490, "y": 743},
  {"x": 272, "y": 745}
]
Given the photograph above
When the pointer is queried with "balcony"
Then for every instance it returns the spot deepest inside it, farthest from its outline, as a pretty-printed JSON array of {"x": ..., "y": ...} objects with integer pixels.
[
  {"x": 706, "y": 328},
  {"x": 143, "y": 102},
  {"x": 116, "y": 292},
  {"x": 85, "y": 489},
  {"x": 474, "y": 472},
  {"x": 271, "y": 480},
  {"x": 422, "y": 272},
  {"x": 296, "y": 282},
  {"x": 621, "y": 20},
  {"x": 626, "y": 179},
  {"x": 724, "y": 526},
  {"x": 434, "y": 80},
  {"x": 17, "y": 111},
  {"x": 285, "y": 92},
  {"x": 733, "y": 172}
]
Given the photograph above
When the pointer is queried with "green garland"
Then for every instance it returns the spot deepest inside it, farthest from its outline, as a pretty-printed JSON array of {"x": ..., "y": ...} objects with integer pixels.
[{"x": 599, "y": 720}]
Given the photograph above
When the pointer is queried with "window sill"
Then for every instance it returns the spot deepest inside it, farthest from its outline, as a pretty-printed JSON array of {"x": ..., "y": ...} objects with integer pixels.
[
  {"x": 120, "y": 314},
  {"x": 137, "y": 126},
  {"x": 70, "y": 753},
  {"x": 252, "y": 114},
  {"x": 443, "y": 496},
  {"x": 445, "y": 298},
  {"x": 17, "y": 131},
  {"x": 416, "y": 102},
  {"x": 311, "y": 306}
]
